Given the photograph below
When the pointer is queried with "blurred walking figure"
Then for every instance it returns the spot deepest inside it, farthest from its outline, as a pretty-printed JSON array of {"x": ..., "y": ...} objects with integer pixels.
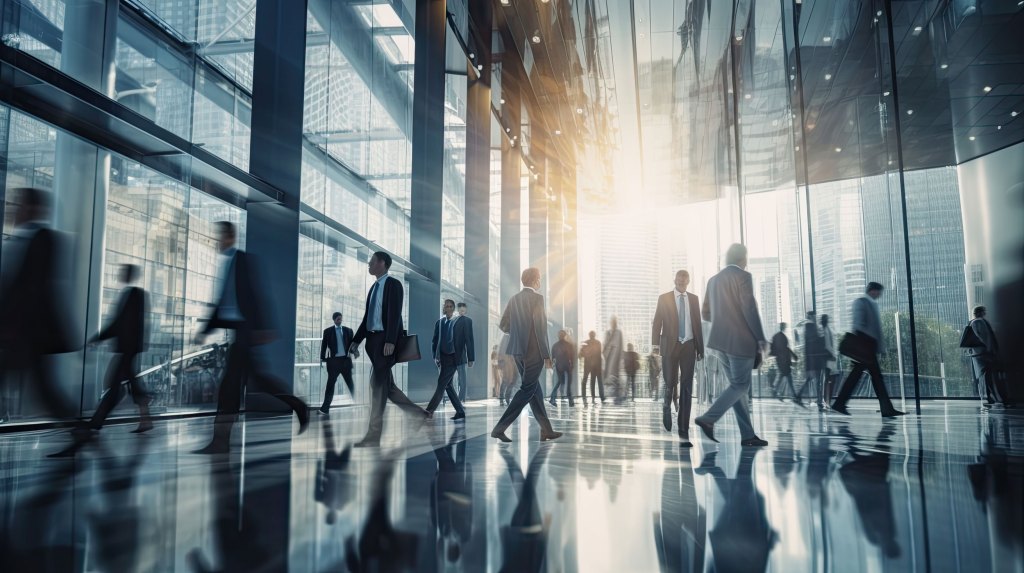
[
  {"x": 984, "y": 352},
  {"x": 563, "y": 354},
  {"x": 466, "y": 324},
  {"x": 381, "y": 327},
  {"x": 240, "y": 309},
  {"x": 508, "y": 372},
  {"x": 590, "y": 352},
  {"x": 450, "y": 348},
  {"x": 654, "y": 372},
  {"x": 677, "y": 332},
  {"x": 632, "y": 361},
  {"x": 867, "y": 324},
  {"x": 613, "y": 358},
  {"x": 334, "y": 353},
  {"x": 814, "y": 359},
  {"x": 33, "y": 323},
  {"x": 784, "y": 359},
  {"x": 526, "y": 322},
  {"x": 831, "y": 360},
  {"x": 334, "y": 484},
  {"x": 495, "y": 372},
  {"x": 737, "y": 333},
  {"x": 128, "y": 329}
]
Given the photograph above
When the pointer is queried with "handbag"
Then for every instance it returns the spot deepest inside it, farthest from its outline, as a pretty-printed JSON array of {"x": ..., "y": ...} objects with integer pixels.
[
  {"x": 969, "y": 339},
  {"x": 408, "y": 347},
  {"x": 857, "y": 347}
]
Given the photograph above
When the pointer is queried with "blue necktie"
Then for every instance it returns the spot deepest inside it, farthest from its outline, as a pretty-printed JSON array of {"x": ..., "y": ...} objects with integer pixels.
[
  {"x": 681, "y": 307},
  {"x": 373, "y": 304}
]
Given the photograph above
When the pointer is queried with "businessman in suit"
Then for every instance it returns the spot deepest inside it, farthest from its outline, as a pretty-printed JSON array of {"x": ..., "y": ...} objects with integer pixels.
[
  {"x": 526, "y": 323},
  {"x": 380, "y": 328},
  {"x": 736, "y": 332},
  {"x": 867, "y": 322},
  {"x": 784, "y": 357},
  {"x": 449, "y": 348},
  {"x": 240, "y": 310},
  {"x": 563, "y": 354},
  {"x": 466, "y": 324},
  {"x": 677, "y": 335},
  {"x": 128, "y": 329},
  {"x": 984, "y": 358},
  {"x": 334, "y": 354}
]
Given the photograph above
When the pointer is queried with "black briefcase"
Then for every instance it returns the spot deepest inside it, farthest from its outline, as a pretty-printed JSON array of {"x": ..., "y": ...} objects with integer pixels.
[
  {"x": 408, "y": 348},
  {"x": 858, "y": 347}
]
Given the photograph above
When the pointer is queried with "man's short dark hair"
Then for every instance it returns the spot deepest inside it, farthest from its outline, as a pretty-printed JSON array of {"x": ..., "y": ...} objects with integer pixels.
[
  {"x": 530, "y": 275},
  {"x": 130, "y": 272},
  {"x": 34, "y": 197},
  {"x": 592, "y": 334},
  {"x": 683, "y": 272},
  {"x": 226, "y": 228},
  {"x": 384, "y": 258},
  {"x": 874, "y": 286},
  {"x": 782, "y": 326},
  {"x": 811, "y": 314},
  {"x": 980, "y": 310},
  {"x": 448, "y": 300},
  {"x": 335, "y": 315},
  {"x": 461, "y": 305}
]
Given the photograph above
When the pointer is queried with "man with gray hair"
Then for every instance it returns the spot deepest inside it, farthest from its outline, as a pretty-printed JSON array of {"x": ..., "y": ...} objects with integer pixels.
[{"x": 736, "y": 332}]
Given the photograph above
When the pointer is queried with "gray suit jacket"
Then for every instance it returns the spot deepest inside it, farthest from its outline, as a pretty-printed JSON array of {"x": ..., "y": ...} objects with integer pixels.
[
  {"x": 527, "y": 325},
  {"x": 867, "y": 320},
  {"x": 983, "y": 330},
  {"x": 730, "y": 307}
]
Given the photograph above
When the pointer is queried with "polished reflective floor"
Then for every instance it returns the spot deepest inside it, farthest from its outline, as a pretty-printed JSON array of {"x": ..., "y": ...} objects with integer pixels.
[{"x": 943, "y": 491}]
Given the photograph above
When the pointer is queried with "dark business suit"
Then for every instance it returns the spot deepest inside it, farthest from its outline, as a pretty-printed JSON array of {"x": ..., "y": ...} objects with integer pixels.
[
  {"x": 242, "y": 365},
  {"x": 466, "y": 325},
  {"x": 814, "y": 359},
  {"x": 984, "y": 359},
  {"x": 449, "y": 349},
  {"x": 563, "y": 355},
  {"x": 382, "y": 383},
  {"x": 867, "y": 321},
  {"x": 679, "y": 359},
  {"x": 338, "y": 361},
  {"x": 591, "y": 355},
  {"x": 128, "y": 329},
  {"x": 526, "y": 323},
  {"x": 736, "y": 332},
  {"x": 784, "y": 358},
  {"x": 33, "y": 324}
]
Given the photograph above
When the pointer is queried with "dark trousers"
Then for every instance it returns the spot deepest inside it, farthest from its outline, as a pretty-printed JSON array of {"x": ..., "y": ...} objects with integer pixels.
[
  {"x": 445, "y": 384},
  {"x": 530, "y": 392},
  {"x": 631, "y": 379},
  {"x": 985, "y": 372},
  {"x": 337, "y": 365},
  {"x": 678, "y": 365},
  {"x": 245, "y": 366},
  {"x": 383, "y": 387},
  {"x": 121, "y": 368},
  {"x": 594, "y": 374},
  {"x": 563, "y": 379},
  {"x": 812, "y": 378},
  {"x": 853, "y": 380},
  {"x": 463, "y": 381},
  {"x": 785, "y": 374}
]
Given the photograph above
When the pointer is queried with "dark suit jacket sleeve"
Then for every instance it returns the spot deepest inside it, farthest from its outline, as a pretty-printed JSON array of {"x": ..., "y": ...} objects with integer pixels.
[
  {"x": 361, "y": 329},
  {"x": 394, "y": 309},
  {"x": 324, "y": 344},
  {"x": 659, "y": 323},
  {"x": 115, "y": 325},
  {"x": 695, "y": 323},
  {"x": 346, "y": 335},
  {"x": 470, "y": 346},
  {"x": 504, "y": 324},
  {"x": 705, "y": 312},
  {"x": 749, "y": 306},
  {"x": 541, "y": 324},
  {"x": 433, "y": 341}
]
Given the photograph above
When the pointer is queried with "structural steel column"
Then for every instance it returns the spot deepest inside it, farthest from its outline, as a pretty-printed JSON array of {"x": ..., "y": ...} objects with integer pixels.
[
  {"x": 478, "y": 195},
  {"x": 538, "y": 212},
  {"x": 511, "y": 204},
  {"x": 427, "y": 185},
  {"x": 279, "y": 61}
]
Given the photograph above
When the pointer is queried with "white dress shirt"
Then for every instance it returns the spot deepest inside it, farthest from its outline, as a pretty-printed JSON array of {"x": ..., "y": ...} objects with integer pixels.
[
  {"x": 683, "y": 310},
  {"x": 228, "y": 287},
  {"x": 375, "y": 322},
  {"x": 339, "y": 335}
]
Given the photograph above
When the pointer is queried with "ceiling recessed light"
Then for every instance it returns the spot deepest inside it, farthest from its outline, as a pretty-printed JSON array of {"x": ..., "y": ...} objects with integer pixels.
[
  {"x": 508, "y": 130},
  {"x": 579, "y": 110},
  {"x": 879, "y": 13},
  {"x": 739, "y": 37},
  {"x": 798, "y": 148},
  {"x": 472, "y": 56},
  {"x": 944, "y": 66},
  {"x": 917, "y": 29},
  {"x": 986, "y": 89},
  {"x": 828, "y": 77},
  {"x": 502, "y": 101},
  {"x": 558, "y": 132},
  {"x": 827, "y": 39},
  {"x": 885, "y": 94},
  {"x": 910, "y": 112},
  {"x": 536, "y": 37},
  {"x": 971, "y": 138},
  {"x": 1013, "y": 114},
  {"x": 999, "y": 128},
  {"x": 839, "y": 149},
  {"x": 506, "y": 2},
  {"x": 747, "y": 96}
]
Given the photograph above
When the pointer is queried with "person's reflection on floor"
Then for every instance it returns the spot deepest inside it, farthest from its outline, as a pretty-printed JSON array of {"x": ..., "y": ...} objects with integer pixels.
[
  {"x": 680, "y": 528},
  {"x": 998, "y": 483},
  {"x": 333, "y": 483},
  {"x": 742, "y": 538},
  {"x": 866, "y": 479},
  {"x": 524, "y": 540},
  {"x": 451, "y": 496},
  {"x": 784, "y": 458},
  {"x": 237, "y": 529},
  {"x": 118, "y": 533},
  {"x": 381, "y": 547}
]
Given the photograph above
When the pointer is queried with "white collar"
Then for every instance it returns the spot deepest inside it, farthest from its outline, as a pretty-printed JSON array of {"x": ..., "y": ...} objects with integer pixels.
[
  {"x": 678, "y": 294},
  {"x": 229, "y": 252},
  {"x": 382, "y": 278},
  {"x": 529, "y": 288}
]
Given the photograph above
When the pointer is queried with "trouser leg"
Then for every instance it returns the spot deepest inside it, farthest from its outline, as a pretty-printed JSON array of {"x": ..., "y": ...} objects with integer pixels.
[
  {"x": 738, "y": 370},
  {"x": 113, "y": 394},
  {"x": 846, "y": 391},
  {"x": 463, "y": 382},
  {"x": 333, "y": 371},
  {"x": 687, "y": 365},
  {"x": 528, "y": 394},
  {"x": 229, "y": 395},
  {"x": 878, "y": 382}
]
